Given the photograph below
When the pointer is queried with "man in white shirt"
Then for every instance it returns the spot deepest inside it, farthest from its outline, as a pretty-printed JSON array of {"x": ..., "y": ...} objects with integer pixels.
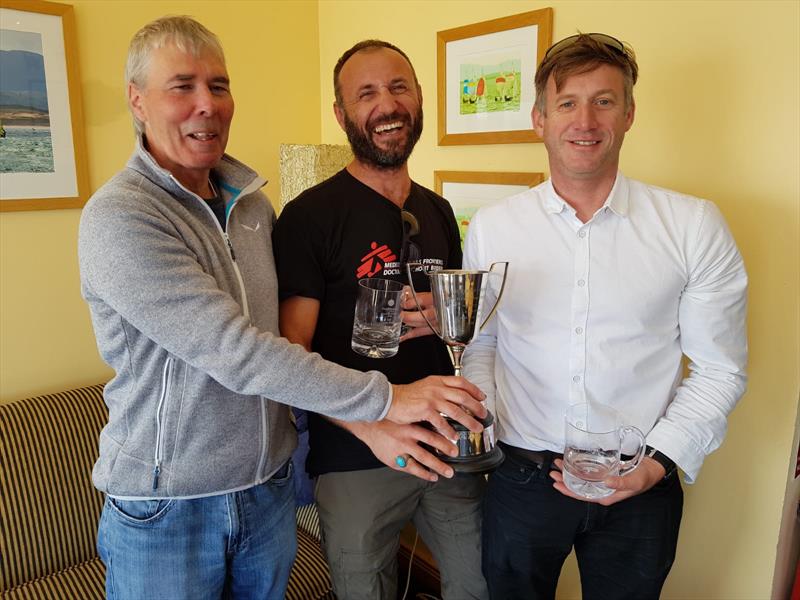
[{"x": 611, "y": 283}]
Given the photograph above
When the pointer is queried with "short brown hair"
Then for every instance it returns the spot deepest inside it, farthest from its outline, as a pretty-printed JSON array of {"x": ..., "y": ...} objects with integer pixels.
[
  {"x": 585, "y": 53},
  {"x": 364, "y": 45}
]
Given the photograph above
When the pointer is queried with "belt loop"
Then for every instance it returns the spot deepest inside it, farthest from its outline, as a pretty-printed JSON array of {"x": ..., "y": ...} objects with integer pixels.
[{"x": 548, "y": 465}]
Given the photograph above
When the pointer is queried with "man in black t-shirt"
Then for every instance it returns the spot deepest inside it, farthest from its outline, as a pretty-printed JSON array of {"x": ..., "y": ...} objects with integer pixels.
[{"x": 354, "y": 225}]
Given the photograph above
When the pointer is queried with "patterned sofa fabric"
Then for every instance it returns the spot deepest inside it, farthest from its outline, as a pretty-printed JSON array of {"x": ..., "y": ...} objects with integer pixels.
[
  {"x": 85, "y": 581},
  {"x": 49, "y": 509}
]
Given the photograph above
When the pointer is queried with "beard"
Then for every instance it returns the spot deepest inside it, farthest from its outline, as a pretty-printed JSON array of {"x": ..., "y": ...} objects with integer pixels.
[{"x": 398, "y": 151}]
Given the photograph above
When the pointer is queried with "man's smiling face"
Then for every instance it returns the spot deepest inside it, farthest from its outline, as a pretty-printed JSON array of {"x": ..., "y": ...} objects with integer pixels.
[
  {"x": 382, "y": 107},
  {"x": 186, "y": 107},
  {"x": 585, "y": 124}
]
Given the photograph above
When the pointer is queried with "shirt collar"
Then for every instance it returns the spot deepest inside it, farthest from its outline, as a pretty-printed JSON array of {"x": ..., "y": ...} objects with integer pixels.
[
  {"x": 618, "y": 200},
  {"x": 553, "y": 203}
]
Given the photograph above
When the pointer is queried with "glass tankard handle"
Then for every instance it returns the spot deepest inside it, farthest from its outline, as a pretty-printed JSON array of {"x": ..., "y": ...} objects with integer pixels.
[{"x": 626, "y": 466}]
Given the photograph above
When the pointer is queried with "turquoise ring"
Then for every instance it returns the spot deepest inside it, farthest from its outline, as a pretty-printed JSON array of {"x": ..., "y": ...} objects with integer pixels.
[{"x": 400, "y": 461}]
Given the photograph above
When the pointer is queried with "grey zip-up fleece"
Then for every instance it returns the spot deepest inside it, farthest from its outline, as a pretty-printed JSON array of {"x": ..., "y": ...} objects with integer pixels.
[{"x": 187, "y": 316}]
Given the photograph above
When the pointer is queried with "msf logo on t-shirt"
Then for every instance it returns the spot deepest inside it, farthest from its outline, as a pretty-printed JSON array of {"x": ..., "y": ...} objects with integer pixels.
[{"x": 374, "y": 261}]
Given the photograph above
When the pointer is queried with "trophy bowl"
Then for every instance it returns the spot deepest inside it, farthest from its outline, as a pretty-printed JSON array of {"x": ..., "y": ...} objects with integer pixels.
[{"x": 457, "y": 302}]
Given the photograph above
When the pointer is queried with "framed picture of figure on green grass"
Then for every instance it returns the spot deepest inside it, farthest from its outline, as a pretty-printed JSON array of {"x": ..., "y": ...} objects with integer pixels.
[
  {"x": 42, "y": 147},
  {"x": 467, "y": 191},
  {"x": 485, "y": 74}
]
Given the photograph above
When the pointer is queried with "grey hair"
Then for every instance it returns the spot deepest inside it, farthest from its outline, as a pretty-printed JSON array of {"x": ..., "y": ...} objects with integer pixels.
[{"x": 184, "y": 32}]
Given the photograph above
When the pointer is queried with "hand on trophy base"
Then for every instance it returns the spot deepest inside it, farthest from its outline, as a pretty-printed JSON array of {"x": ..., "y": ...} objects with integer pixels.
[{"x": 477, "y": 452}]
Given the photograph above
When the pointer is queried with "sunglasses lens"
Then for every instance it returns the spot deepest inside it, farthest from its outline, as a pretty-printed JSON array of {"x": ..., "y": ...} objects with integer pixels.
[
  {"x": 558, "y": 46},
  {"x": 604, "y": 39}
]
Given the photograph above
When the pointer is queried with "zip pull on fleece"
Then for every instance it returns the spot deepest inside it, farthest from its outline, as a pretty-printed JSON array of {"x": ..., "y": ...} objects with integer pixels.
[
  {"x": 230, "y": 246},
  {"x": 156, "y": 473}
]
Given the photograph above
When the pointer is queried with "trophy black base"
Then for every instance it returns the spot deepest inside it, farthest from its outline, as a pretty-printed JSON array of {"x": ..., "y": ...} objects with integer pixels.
[
  {"x": 477, "y": 452},
  {"x": 483, "y": 463}
]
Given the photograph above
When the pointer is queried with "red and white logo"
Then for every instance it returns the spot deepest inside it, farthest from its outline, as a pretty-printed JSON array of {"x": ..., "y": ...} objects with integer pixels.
[{"x": 374, "y": 261}]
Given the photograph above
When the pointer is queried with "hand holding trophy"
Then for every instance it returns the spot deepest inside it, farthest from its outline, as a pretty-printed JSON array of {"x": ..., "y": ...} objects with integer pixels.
[{"x": 457, "y": 300}]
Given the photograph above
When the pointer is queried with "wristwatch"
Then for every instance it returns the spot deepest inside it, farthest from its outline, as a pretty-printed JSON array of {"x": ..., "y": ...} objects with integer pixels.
[{"x": 662, "y": 459}]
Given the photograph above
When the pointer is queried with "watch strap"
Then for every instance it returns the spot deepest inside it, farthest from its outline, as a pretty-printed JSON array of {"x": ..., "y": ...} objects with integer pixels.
[{"x": 665, "y": 461}]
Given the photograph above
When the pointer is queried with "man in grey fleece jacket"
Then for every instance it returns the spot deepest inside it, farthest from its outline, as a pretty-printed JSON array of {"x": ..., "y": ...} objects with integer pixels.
[{"x": 176, "y": 266}]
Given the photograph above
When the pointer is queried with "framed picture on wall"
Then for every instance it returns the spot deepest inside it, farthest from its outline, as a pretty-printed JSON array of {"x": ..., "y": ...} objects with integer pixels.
[
  {"x": 42, "y": 146},
  {"x": 485, "y": 74},
  {"x": 467, "y": 191}
]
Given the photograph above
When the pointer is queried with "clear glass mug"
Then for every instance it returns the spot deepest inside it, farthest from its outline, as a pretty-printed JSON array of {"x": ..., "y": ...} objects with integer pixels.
[
  {"x": 595, "y": 440},
  {"x": 377, "y": 319}
]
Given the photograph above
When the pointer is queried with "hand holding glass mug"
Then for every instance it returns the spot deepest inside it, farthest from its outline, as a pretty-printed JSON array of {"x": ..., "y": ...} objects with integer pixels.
[{"x": 595, "y": 438}]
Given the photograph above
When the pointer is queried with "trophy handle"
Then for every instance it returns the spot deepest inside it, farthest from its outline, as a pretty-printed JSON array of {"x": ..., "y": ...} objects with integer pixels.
[
  {"x": 499, "y": 295},
  {"x": 416, "y": 300}
]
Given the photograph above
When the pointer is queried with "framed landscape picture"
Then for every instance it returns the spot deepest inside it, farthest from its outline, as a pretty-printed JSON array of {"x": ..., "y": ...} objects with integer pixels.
[
  {"x": 42, "y": 147},
  {"x": 467, "y": 191},
  {"x": 485, "y": 74}
]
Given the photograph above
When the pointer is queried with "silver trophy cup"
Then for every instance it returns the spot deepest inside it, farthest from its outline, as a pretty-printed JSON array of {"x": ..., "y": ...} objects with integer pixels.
[{"x": 457, "y": 302}]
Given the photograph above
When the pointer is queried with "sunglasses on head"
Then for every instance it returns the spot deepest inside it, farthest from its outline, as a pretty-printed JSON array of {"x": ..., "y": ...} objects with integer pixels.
[{"x": 606, "y": 40}]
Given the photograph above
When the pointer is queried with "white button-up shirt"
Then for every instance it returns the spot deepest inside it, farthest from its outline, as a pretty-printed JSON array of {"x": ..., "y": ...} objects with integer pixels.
[{"x": 604, "y": 311}]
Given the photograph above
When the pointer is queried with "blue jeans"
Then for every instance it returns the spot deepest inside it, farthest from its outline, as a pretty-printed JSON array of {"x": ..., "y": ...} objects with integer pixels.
[
  {"x": 624, "y": 551},
  {"x": 238, "y": 545}
]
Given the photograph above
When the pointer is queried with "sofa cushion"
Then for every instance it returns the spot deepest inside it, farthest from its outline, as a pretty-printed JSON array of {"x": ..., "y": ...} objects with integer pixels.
[
  {"x": 85, "y": 581},
  {"x": 48, "y": 506},
  {"x": 308, "y": 520},
  {"x": 310, "y": 578}
]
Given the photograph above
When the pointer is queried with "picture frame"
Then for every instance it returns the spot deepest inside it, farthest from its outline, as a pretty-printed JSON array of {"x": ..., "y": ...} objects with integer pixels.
[
  {"x": 467, "y": 191},
  {"x": 485, "y": 78},
  {"x": 43, "y": 157}
]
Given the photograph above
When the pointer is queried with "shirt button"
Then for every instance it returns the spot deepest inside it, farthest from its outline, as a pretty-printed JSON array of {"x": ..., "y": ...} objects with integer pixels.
[
  {"x": 576, "y": 378},
  {"x": 581, "y": 283},
  {"x": 579, "y": 330},
  {"x": 582, "y": 234}
]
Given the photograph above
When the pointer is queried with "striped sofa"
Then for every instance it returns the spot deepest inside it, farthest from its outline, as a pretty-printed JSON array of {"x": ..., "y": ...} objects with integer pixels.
[{"x": 49, "y": 509}]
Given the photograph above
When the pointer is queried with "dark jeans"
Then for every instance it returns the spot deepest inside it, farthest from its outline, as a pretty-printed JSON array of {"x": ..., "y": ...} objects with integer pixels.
[{"x": 624, "y": 551}]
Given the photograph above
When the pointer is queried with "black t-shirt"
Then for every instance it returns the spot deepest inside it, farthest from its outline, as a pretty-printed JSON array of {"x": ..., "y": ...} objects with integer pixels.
[{"x": 327, "y": 239}]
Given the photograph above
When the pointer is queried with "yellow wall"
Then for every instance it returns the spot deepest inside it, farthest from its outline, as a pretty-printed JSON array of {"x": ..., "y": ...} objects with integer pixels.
[
  {"x": 717, "y": 117},
  {"x": 272, "y": 51}
]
